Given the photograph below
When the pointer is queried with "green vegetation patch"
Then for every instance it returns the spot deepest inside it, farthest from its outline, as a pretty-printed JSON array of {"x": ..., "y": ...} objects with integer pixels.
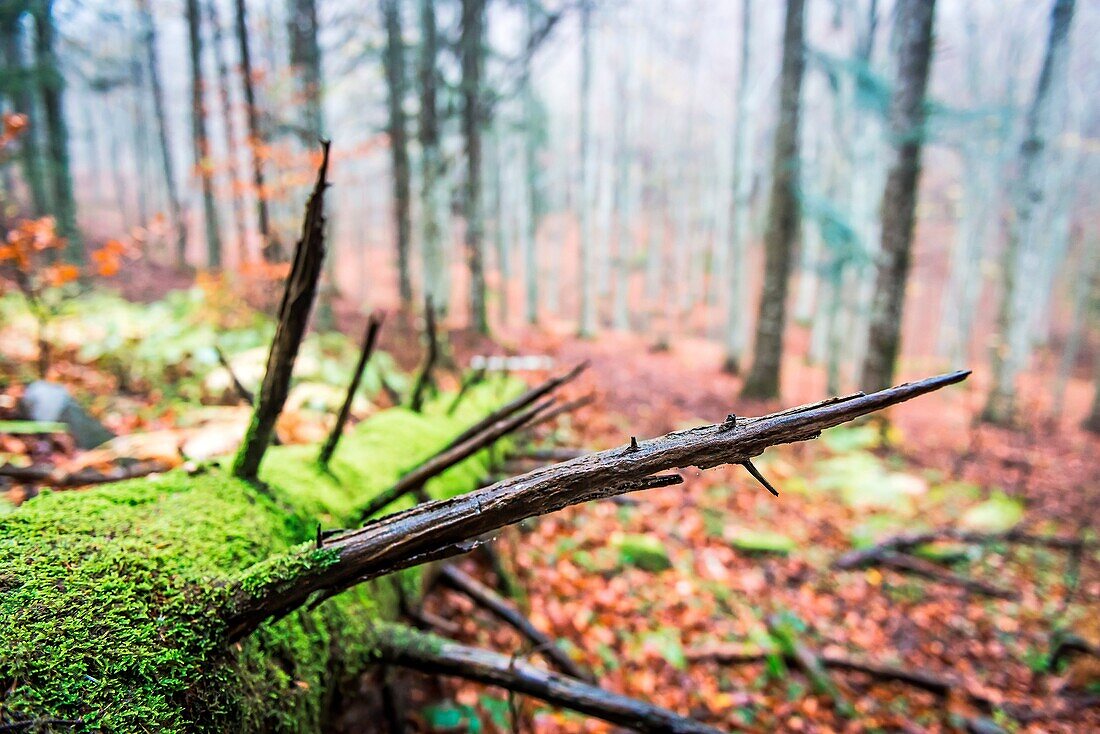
[
  {"x": 110, "y": 597},
  {"x": 645, "y": 552}
]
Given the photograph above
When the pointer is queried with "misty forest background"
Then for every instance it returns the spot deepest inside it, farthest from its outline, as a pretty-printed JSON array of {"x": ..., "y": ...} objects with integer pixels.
[{"x": 596, "y": 165}]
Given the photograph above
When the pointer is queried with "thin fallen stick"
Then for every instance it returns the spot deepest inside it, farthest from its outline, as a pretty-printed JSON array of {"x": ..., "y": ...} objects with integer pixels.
[
  {"x": 242, "y": 392},
  {"x": 520, "y": 403},
  {"x": 405, "y": 647},
  {"x": 370, "y": 339},
  {"x": 933, "y": 572},
  {"x": 507, "y": 612},
  {"x": 424, "y": 377},
  {"x": 414, "y": 480},
  {"x": 908, "y": 541}
]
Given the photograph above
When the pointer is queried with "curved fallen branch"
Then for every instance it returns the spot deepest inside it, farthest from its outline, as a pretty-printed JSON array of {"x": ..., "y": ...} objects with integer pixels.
[
  {"x": 407, "y": 648},
  {"x": 415, "y": 480},
  {"x": 908, "y": 541},
  {"x": 507, "y": 612},
  {"x": 442, "y": 528}
]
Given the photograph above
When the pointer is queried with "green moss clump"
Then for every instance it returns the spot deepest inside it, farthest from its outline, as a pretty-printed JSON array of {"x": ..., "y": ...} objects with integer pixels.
[{"x": 109, "y": 597}]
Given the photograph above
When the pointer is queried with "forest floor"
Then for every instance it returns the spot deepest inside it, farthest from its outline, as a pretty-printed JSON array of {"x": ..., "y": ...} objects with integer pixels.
[{"x": 730, "y": 557}]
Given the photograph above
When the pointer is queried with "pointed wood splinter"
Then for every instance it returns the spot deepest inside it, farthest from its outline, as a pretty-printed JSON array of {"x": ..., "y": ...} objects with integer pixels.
[
  {"x": 760, "y": 477},
  {"x": 633, "y": 443},
  {"x": 729, "y": 424}
]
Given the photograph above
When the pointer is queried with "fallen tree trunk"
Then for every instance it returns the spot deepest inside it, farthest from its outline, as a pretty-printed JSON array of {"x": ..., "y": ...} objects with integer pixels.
[{"x": 178, "y": 603}]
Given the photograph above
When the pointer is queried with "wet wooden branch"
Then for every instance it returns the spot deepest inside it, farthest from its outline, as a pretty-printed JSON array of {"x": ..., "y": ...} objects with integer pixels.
[
  {"x": 934, "y": 572},
  {"x": 297, "y": 301},
  {"x": 414, "y": 480},
  {"x": 50, "y": 476},
  {"x": 404, "y": 647},
  {"x": 735, "y": 654},
  {"x": 437, "y": 529},
  {"x": 908, "y": 541},
  {"x": 566, "y": 407},
  {"x": 370, "y": 339},
  {"x": 424, "y": 377},
  {"x": 527, "y": 398},
  {"x": 507, "y": 612}
]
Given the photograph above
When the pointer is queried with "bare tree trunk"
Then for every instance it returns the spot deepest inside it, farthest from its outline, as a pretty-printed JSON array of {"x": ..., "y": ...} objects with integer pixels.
[
  {"x": 473, "y": 24},
  {"x": 229, "y": 119},
  {"x": 305, "y": 58},
  {"x": 913, "y": 31},
  {"x": 587, "y": 325},
  {"x": 624, "y": 181},
  {"x": 57, "y": 133},
  {"x": 1086, "y": 301},
  {"x": 1092, "y": 422},
  {"x": 199, "y": 139},
  {"x": 1024, "y": 236},
  {"x": 399, "y": 142},
  {"x": 269, "y": 248},
  {"x": 434, "y": 202},
  {"x": 534, "y": 134},
  {"x": 18, "y": 86},
  {"x": 783, "y": 215}
]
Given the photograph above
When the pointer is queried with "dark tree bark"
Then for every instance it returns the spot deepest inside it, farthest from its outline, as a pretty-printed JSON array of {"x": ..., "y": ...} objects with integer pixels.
[
  {"x": 472, "y": 52},
  {"x": 396, "y": 81},
  {"x": 913, "y": 38},
  {"x": 230, "y": 122},
  {"x": 783, "y": 215},
  {"x": 293, "y": 317},
  {"x": 1026, "y": 239},
  {"x": 18, "y": 86},
  {"x": 257, "y": 140},
  {"x": 199, "y": 139},
  {"x": 305, "y": 58},
  {"x": 1092, "y": 423},
  {"x": 437, "y": 655},
  {"x": 433, "y": 195},
  {"x": 57, "y": 133}
]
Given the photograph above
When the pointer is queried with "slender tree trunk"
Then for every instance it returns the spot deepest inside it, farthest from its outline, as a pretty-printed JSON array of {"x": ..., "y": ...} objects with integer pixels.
[
  {"x": 624, "y": 182},
  {"x": 270, "y": 249},
  {"x": 434, "y": 202},
  {"x": 152, "y": 60},
  {"x": 587, "y": 326},
  {"x": 18, "y": 86},
  {"x": 200, "y": 141},
  {"x": 534, "y": 135},
  {"x": 1086, "y": 304},
  {"x": 783, "y": 215},
  {"x": 57, "y": 133},
  {"x": 1092, "y": 422},
  {"x": 473, "y": 24},
  {"x": 740, "y": 187},
  {"x": 305, "y": 58},
  {"x": 1025, "y": 238},
  {"x": 399, "y": 142},
  {"x": 913, "y": 31},
  {"x": 230, "y": 121}
]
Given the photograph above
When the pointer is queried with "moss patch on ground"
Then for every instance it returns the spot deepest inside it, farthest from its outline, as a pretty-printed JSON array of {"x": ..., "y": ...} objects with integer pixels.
[{"x": 109, "y": 597}]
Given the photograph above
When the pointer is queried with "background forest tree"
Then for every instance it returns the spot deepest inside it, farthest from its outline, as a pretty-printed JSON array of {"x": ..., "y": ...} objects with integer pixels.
[{"x": 634, "y": 166}]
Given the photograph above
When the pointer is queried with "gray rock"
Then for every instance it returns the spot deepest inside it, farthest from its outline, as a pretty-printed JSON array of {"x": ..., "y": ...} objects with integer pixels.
[{"x": 48, "y": 401}]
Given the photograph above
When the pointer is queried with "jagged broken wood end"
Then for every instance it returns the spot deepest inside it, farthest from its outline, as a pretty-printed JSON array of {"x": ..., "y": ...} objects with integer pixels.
[{"x": 442, "y": 528}]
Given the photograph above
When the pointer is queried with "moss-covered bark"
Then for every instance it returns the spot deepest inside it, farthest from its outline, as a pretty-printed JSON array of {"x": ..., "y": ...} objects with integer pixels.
[{"x": 110, "y": 598}]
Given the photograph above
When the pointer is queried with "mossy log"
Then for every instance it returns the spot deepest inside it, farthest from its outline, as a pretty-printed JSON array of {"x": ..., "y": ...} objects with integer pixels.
[
  {"x": 110, "y": 597},
  {"x": 193, "y": 602}
]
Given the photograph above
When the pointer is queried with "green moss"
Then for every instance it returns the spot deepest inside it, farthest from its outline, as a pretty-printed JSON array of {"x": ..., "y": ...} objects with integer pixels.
[{"x": 109, "y": 597}]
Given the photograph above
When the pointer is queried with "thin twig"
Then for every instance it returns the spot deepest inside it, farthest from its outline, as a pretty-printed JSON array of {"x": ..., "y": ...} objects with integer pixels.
[
  {"x": 374, "y": 325},
  {"x": 424, "y": 378}
]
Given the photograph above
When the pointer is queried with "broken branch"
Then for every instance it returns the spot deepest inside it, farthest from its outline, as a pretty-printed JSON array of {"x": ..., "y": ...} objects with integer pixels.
[
  {"x": 505, "y": 611},
  {"x": 441, "y": 528},
  {"x": 415, "y": 480},
  {"x": 301, "y": 287},
  {"x": 404, "y": 647},
  {"x": 424, "y": 378}
]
